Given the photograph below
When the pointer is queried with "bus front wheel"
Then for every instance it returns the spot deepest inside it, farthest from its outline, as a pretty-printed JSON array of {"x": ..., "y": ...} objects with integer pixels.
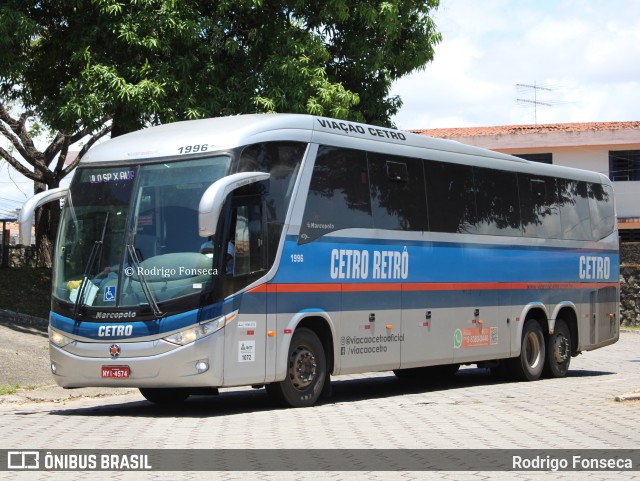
[
  {"x": 558, "y": 350},
  {"x": 529, "y": 364},
  {"x": 306, "y": 371}
]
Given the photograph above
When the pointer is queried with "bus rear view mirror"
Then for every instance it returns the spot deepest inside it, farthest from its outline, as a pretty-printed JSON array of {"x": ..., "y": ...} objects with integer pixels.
[
  {"x": 213, "y": 198},
  {"x": 25, "y": 219}
]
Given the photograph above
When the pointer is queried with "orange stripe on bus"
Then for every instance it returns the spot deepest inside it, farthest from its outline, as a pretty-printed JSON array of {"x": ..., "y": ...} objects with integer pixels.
[{"x": 429, "y": 286}]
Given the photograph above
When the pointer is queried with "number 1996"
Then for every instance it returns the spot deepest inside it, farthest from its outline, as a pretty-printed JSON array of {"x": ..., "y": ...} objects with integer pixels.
[{"x": 191, "y": 149}]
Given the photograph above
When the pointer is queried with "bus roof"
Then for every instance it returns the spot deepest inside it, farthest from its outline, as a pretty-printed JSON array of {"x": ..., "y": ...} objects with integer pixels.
[
  {"x": 224, "y": 133},
  {"x": 228, "y": 132}
]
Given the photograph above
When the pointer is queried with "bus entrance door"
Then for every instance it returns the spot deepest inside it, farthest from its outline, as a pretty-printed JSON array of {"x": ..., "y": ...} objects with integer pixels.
[{"x": 244, "y": 263}]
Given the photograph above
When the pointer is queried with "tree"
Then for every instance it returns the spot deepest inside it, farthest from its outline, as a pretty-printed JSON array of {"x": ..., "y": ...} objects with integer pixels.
[
  {"x": 84, "y": 65},
  {"x": 48, "y": 166},
  {"x": 45, "y": 167}
]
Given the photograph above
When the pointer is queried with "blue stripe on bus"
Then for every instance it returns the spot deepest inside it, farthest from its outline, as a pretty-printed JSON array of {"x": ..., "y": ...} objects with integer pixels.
[
  {"x": 436, "y": 275},
  {"x": 91, "y": 330},
  {"x": 315, "y": 298},
  {"x": 348, "y": 261}
]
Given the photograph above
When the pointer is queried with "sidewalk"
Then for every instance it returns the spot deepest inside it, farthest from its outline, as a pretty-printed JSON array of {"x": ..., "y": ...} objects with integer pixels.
[{"x": 24, "y": 361}]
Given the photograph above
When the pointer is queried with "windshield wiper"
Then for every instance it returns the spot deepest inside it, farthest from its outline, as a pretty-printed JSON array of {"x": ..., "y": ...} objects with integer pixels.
[
  {"x": 95, "y": 253},
  {"x": 133, "y": 255}
]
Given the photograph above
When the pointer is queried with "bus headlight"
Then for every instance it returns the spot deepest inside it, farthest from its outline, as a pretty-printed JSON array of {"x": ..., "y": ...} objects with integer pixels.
[
  {"x": 194, "y": 333},
  {"x": 58, "y": 338}
]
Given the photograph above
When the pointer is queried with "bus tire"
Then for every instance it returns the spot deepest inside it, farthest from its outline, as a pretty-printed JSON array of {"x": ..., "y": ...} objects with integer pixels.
[
  {"x": 558, "y": 350},
  {"x": 306, "y": 371},
  {"x": 529, "y": 364},
  {"x": 164, "y": 395}
]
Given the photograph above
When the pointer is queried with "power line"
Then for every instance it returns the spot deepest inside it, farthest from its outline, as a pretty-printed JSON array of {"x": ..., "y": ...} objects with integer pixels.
[
  {"x": 12, "y": 180},
  {"x": 12, "y": 200}
]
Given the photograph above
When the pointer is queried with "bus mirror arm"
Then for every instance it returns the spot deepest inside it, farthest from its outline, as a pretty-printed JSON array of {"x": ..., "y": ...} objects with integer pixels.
[
  {"x": 213, "y": 198},
  {"x": 25, "y": 219}
]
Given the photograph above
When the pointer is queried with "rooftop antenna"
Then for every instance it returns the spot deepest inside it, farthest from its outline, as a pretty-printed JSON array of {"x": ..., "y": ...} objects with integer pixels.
[{"x": 535, "y": 100}]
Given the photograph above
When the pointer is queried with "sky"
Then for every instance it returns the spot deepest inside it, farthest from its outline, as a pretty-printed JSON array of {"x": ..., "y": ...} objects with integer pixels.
[{"x": 587, "y": 52}]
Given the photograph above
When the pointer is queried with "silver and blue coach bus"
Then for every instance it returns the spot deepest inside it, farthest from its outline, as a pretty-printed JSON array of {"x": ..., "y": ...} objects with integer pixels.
[{"x": 278, "y": 250}]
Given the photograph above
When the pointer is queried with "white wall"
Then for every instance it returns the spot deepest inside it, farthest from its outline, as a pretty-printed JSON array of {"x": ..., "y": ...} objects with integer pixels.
[{"x": 627, "y": 196}]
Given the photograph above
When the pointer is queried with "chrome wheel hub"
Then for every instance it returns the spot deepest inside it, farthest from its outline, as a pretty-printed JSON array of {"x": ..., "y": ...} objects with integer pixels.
[{"x": 302, "y": 368}]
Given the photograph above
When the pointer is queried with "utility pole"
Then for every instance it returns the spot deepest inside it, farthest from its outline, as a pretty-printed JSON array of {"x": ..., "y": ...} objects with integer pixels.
[{"x": 535, "y": 100}]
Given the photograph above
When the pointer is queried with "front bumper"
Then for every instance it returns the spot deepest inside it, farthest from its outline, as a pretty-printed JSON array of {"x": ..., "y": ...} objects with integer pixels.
[{"x": 152, "y": 363}]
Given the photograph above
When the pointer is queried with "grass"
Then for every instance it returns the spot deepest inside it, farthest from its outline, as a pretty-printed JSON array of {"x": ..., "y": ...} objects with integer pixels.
[
  {"x": 26, "y": 290},
  {"x": 4, "y": 390}
]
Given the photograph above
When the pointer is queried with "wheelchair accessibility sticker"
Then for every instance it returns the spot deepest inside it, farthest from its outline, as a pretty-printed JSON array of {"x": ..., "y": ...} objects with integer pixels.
[{"x": 109, "y": 294}]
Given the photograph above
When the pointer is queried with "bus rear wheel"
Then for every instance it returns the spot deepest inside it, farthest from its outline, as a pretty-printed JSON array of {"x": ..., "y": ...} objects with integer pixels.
[
  {"x": 558, "y": 350},
  {"x": 164, "y": 395},
  {"x": 306, "y": 371},
  {"x": 529, "y": 364}
]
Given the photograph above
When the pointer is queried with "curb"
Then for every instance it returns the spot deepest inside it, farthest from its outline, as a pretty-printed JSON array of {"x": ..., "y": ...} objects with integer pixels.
[
  {"x": 11, "y": 317},
  {"x": 634, "y": 396},
  {"x": 54, "y": 394},
  {"x": 627, "y": 330}
]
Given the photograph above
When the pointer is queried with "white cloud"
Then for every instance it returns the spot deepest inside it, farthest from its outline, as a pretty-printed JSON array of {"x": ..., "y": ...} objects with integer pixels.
[{"x": 587, "y": 51}]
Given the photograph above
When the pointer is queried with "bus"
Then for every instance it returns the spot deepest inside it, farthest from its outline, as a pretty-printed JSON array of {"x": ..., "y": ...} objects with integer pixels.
[{"x": 278, "y": 250}]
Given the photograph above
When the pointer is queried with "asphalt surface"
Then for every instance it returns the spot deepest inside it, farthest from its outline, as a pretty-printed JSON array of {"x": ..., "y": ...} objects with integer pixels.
[{"x": 370, "y": 412}]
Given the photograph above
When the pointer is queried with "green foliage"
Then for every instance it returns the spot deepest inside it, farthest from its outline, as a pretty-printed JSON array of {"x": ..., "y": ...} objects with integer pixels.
[
  {"x": 26, "y": 290},
  {"x": 155, "y": 61},
  {"x": 12, "y": 389}
]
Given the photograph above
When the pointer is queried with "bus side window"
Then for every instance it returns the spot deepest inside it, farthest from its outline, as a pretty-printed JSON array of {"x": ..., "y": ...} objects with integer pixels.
[
  {"x": 338, "y": 194},
  {"x": 539, "y": 206},
  {"x": 450, "y": 197},
  {"x": 575, "y": 217},
  {"x": 281, "y": 160},
  {"x": 247, "y": 244},
  {"x": 398, "y": 200},
  {"x": 497, "y": 202},
  {"x": 245, "y": 254},
  {"x": 602, "y": 212}
]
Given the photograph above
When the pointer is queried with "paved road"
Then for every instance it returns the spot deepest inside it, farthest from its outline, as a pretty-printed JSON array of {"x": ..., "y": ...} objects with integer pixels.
[{"x": 372, "y": 412}]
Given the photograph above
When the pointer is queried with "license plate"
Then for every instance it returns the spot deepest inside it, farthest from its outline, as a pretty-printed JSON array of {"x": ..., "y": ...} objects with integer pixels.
[{"x": 115, "y": 372}]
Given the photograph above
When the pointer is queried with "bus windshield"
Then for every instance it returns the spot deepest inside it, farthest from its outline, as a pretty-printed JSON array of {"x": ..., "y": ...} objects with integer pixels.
[{"x": 129, "y": 235}]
